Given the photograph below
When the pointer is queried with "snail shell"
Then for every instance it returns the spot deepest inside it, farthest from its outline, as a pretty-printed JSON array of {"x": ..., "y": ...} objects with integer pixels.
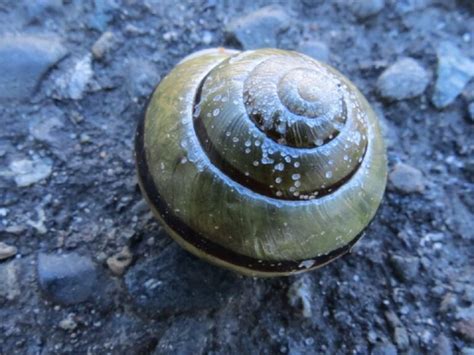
[{"x": 266, "y": 162}]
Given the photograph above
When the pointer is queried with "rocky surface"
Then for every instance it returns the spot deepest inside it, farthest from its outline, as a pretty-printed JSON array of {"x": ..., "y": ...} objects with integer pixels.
[{"x": 87, "y": 269}]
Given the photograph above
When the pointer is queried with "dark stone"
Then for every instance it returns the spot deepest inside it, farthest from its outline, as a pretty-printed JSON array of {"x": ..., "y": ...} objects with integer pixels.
[
  {"x": 406, "y": 268},
  {"x": 185, "y": 336},
  {"x": 258, "y": 29},
  {"x": 402, "y": 80},
  {"x": 453, "y": 73},
  {"x": 67, "y": 278},
  {"x": 175, "y": 281},
  {"x": 24, "y": 59}
]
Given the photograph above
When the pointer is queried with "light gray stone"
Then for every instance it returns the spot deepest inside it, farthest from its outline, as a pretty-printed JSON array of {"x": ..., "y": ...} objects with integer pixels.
[
  {"x": 406, "y": 179},
  {"x": 27, "y": 172},
  {"x": 453, "y": 73},
  {"x": 402, "y": 80}
]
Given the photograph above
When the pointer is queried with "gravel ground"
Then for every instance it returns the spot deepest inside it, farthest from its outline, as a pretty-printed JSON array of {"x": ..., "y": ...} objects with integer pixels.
[{"x": 86, "y": 269}]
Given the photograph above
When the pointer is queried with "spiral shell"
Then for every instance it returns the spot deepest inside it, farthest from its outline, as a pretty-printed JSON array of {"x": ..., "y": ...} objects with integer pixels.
[{"x": 266, "y": 162}]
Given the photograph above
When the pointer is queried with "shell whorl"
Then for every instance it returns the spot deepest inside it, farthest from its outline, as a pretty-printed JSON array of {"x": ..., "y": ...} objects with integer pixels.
[{"x": 285, "y": 126}]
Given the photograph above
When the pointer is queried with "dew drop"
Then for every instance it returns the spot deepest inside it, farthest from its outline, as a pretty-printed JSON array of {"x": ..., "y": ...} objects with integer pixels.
[
  {"x": 328, "y": 174},
  {"x": 278, "y": 180},
  {"x": 296, "y": 176},
  {"x": 216, "y": 112},
  {"x": 279, "y": 167}
]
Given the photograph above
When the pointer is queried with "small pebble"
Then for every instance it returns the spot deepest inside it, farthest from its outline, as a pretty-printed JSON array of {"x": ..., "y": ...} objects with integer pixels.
[
  {"x": 104, "y": 45},
  {"x": 406, "y": 268},
  {"x": 402, "y": 80},
  {"x": 119, "y": 262},
  {"x": 68, "y": 323},
  {"x": 300, "y": 294},
  {"x": 27, "y": 172},
  {"x": 7, "y": 251},
  {"x": 406, "y": 179}
]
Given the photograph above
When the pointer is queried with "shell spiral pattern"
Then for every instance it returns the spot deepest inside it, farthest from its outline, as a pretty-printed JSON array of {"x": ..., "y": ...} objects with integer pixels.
[{"x": 266, "y": 162}]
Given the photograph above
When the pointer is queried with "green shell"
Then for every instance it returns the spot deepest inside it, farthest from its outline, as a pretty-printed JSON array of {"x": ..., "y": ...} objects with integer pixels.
[{"x": 266, "y": 162}]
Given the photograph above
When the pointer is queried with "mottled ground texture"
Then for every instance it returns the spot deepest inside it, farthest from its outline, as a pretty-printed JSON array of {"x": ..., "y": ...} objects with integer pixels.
[{"x": 85, "y": 268}]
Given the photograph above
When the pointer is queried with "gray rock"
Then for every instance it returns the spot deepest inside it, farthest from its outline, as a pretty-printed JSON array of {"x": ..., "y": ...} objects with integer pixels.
[
  {"x": 24, "y": 59},
  {"x": 467, "y": 351},
  {"x": 315, "y": 49},
  {"x": 67, "y": 278},
  {"x": 406, "y": 268},
  {"x": 142, "y": 77},
  {"x": 453, "y": 73},
  {"x": 7, "y": 251},
  {"x": 104, "y": 45},
  {"x": 300, "y": 294},
  {"x": 363, "y": 9},
  {"x": 384, "y": 349},
  {"x": 176, "y": 282},
  {"x": 75, "y": 81},
  {"x": 406, "y": 179},
  {"x": 402, "y": 80},
  {"x": 185, "y": 336},
  {"x": 27, "y": 172},
  {"x": 9, "y": 286},
  {"x": 258, "y": 29}
]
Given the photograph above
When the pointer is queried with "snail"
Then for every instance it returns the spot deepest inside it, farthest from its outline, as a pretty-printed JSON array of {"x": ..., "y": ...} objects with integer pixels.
[{"x": 266, "y": 162}]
